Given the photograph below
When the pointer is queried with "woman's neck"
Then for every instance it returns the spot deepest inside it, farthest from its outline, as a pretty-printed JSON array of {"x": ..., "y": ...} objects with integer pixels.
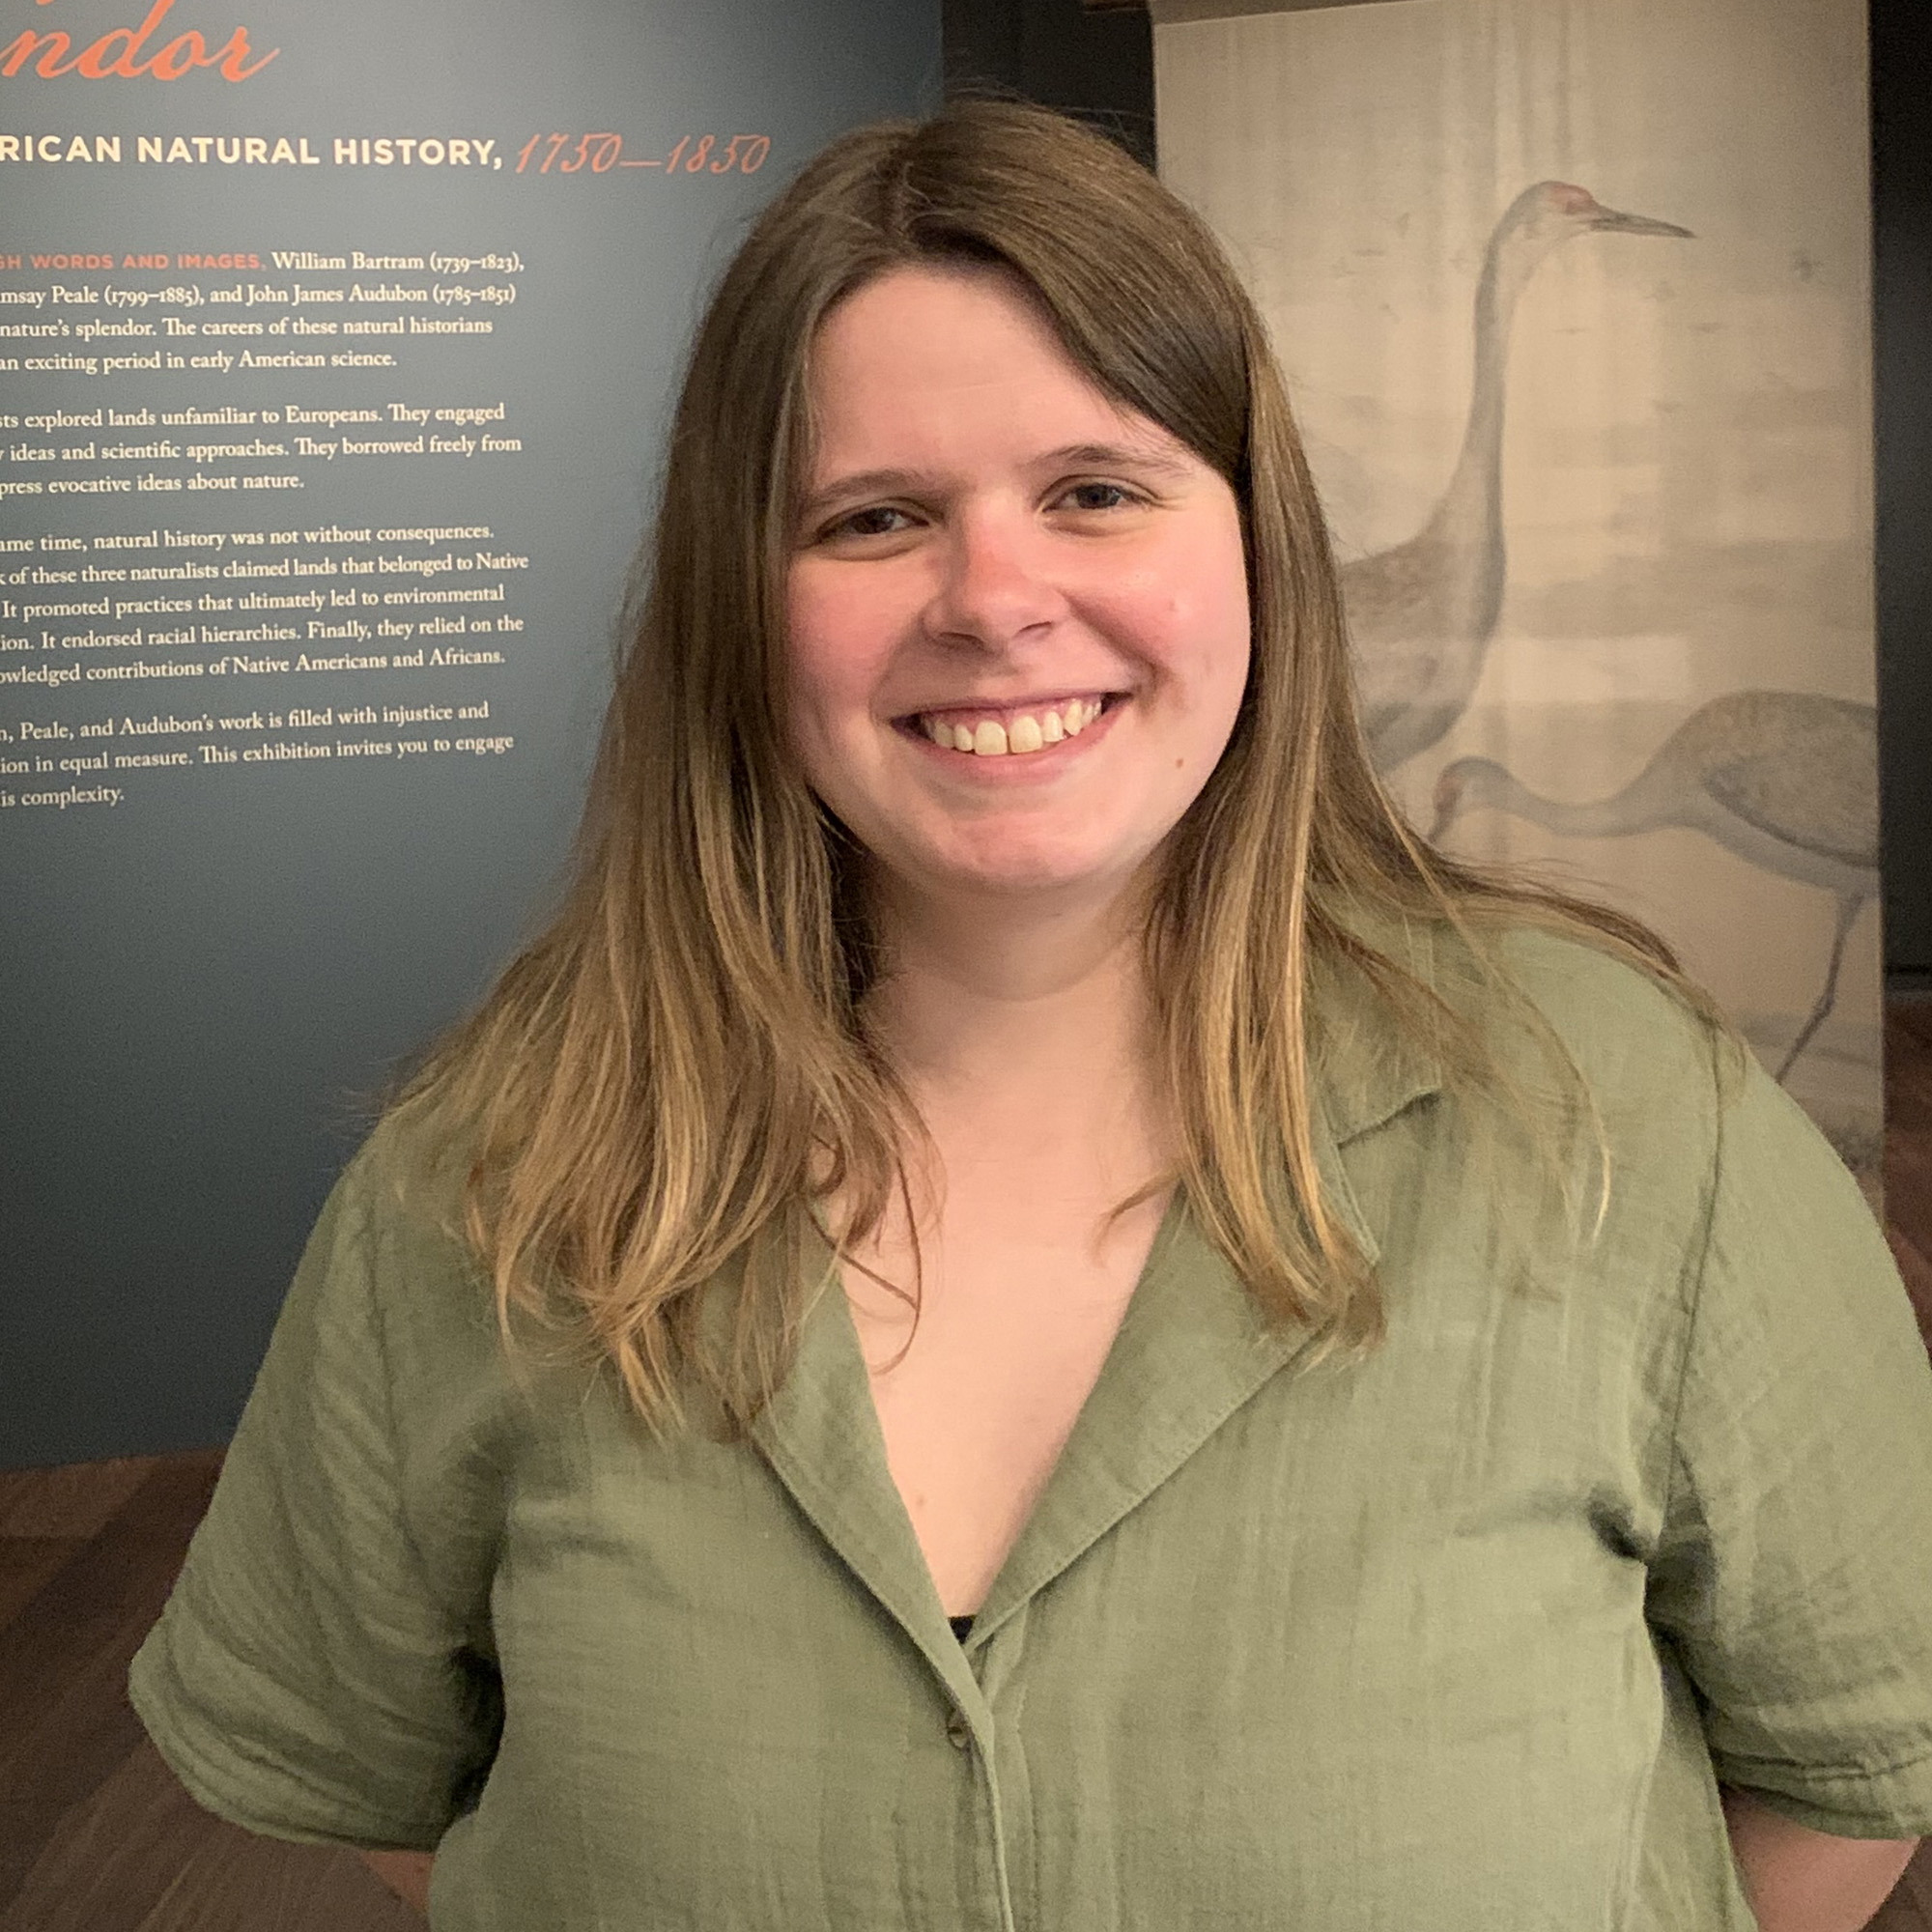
[{"x": 1022, "y": 1031}]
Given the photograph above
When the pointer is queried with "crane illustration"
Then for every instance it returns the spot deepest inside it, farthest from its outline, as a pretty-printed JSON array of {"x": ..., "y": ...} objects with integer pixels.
[
  {"x": 1784, "y": 780},
  {"x": 1421, "y": 615}
]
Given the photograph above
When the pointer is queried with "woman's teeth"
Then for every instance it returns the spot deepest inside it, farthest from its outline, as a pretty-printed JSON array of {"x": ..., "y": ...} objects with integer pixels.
[{"x": 990, "y": 739}]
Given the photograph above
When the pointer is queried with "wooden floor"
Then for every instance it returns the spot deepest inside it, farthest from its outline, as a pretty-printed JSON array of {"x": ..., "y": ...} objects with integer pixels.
[{"x": 97, "y": 1836}]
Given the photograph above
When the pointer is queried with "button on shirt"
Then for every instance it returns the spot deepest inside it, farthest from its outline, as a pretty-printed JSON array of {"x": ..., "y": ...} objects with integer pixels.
[{"x": 1465, "y": 1635}]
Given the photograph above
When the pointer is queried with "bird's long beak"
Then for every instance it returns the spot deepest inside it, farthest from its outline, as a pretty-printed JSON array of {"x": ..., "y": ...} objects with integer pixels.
[{"x": 1615, "y": 222}]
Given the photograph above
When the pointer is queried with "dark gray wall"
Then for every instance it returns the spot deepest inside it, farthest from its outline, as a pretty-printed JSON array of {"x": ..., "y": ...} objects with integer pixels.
[
  {"x": 1902, "y": 195},
  {"x": 1098, "y": 65}
]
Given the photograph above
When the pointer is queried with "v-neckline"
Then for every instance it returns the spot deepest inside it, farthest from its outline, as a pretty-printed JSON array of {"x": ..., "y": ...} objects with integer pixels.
[{"x": 1190, "y": 1349}]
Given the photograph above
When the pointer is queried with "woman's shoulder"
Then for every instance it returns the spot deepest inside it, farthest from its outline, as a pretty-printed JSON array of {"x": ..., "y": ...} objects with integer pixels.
[
  {"x": 388, "y": 1257},
  {"x": 1629, "y": 1034},
  {"x": 408, "y": 1179},
  {"x": 1514, "y": 1022},
  {"x": 1517, "y": 996},
  {"x": 1667, "y": 1081}
]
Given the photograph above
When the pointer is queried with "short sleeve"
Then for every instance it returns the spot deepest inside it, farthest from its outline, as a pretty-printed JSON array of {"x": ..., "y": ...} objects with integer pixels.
[
  {"x": 319, "y": 1673},
  {"x": 1794, "y": 1573}
]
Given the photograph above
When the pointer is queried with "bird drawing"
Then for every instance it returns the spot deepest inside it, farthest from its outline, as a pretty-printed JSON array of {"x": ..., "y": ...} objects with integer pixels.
[
  {"x": 1784, "y": 780},
  {"x": 1421, "y": 615}
]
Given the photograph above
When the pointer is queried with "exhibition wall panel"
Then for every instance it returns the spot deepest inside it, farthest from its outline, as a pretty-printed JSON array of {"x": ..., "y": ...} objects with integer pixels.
[{"x": 335, "y": 349}]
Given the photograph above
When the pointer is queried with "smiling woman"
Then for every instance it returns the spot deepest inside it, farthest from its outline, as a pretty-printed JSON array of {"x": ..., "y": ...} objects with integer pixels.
[{"x": 1028, "y": 1313}]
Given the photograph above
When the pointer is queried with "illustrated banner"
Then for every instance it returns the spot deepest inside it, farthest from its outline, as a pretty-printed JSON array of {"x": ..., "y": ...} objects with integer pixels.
[
  {"x": 336, "y": 346},
  {"x": 1574, "y": 297}
]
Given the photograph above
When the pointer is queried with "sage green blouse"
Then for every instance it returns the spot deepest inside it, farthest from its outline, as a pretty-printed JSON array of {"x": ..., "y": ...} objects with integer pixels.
[{"x": 1462, "y": 1636}]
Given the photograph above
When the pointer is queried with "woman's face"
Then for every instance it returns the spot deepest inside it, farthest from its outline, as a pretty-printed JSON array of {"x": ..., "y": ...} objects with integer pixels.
[{"x": 993, "y": 554}]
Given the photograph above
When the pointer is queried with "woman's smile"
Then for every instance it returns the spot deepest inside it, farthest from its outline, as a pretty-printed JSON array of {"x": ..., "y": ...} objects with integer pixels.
[{"x": 1023, "y": 729}]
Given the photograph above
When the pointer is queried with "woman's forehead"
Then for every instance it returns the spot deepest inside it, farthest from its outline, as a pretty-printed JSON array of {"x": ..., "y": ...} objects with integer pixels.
[
  {"x": 951, "y": 361},
  {"x": 912, "y": 319}
]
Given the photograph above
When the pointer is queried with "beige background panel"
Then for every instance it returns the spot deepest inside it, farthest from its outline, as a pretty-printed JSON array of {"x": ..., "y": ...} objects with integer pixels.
[
  {"x": 1686, "y": 456},
  {"x": 1165, "y": 10}
]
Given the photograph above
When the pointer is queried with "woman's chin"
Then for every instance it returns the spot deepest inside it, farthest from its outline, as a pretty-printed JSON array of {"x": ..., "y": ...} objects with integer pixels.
[{"x": 1020, "y": 876}]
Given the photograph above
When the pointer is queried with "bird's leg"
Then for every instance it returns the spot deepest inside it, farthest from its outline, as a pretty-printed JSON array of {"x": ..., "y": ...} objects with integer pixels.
[{"x": 1848, "y": 913}]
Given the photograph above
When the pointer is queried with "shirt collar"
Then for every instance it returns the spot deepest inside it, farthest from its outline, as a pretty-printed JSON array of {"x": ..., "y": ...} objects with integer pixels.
[{"x": 1364, "y": 1071}]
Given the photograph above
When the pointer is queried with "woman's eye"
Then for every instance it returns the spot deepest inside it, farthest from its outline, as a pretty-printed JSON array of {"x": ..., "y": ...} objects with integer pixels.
[
  {"x": 1096, "y": 496},
  {"x": 880, "y": 521}
]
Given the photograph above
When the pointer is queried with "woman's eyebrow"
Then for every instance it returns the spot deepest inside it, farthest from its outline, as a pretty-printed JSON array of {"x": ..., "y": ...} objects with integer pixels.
[
  {"x": 870, "y": 483},
  {"x": 1108, "y": 455},
  {"x": 1071, "y": 455}
]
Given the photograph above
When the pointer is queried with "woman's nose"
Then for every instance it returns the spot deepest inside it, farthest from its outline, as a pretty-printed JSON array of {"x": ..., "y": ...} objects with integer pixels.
[{"x": 996, "y": 582}]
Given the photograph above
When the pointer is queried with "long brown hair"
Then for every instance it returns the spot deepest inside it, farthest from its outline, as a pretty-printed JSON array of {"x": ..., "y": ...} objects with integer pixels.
[{"x": 665, "y": 1088}]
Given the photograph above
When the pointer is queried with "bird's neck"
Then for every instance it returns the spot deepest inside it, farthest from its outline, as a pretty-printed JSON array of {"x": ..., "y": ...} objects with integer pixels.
[
  {"x": 1471, "y": 513},
  {"x": 1634, "y": 809}
]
